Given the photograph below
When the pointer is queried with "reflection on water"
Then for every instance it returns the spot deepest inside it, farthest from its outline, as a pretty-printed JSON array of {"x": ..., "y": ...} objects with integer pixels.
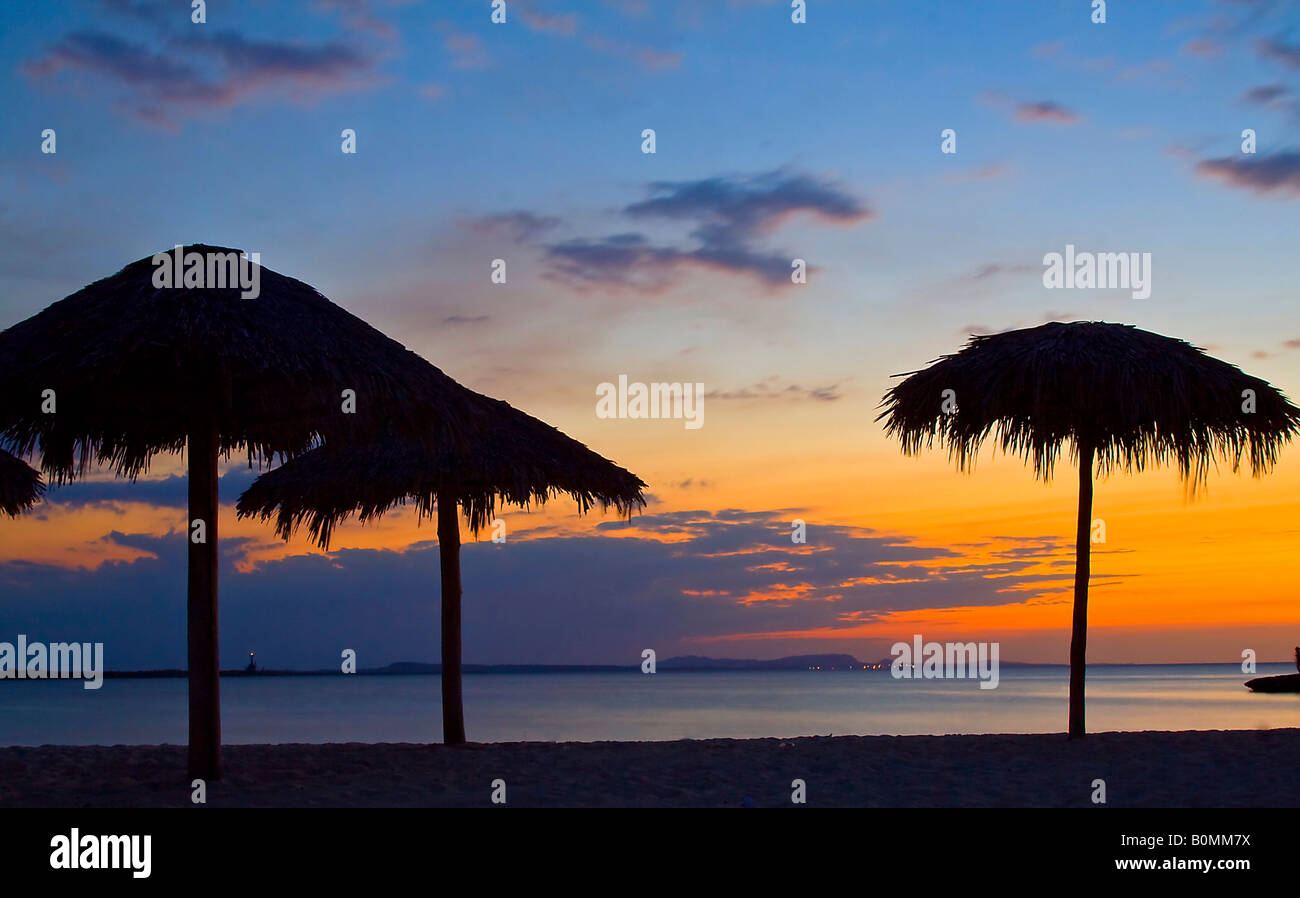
[{"x": 634, "y": 706}]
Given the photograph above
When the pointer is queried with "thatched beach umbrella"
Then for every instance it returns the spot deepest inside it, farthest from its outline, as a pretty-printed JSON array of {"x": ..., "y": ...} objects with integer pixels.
[
  {"x": 516, "y": 460},
  {"x": 124, "y": 369},
  {"x": 20, "y": 485},
  {"x": 1122, "y": 398}
]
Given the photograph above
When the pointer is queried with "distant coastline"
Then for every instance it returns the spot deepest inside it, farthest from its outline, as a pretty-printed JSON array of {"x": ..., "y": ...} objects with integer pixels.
[{"x": 684, "y": 664}]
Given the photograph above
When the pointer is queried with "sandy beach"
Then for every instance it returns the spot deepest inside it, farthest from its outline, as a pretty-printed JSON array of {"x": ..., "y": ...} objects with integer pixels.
[{"x": 1236, "y": 768}]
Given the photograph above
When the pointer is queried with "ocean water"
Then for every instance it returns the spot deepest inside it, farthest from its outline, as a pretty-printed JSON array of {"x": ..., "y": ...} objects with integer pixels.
[{"x": 635, "y": 706}]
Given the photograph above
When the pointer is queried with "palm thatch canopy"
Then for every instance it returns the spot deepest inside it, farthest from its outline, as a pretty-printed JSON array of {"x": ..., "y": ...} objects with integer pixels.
[
  {"x": 153, "y": 359},
  {"x": 1137, "y": 397},
  {"x": 20, "y": 485},
  {"x": 132, "y": 365},
  {"x": 1124, "y": 398},
  {"x": 516, "y": 459}
]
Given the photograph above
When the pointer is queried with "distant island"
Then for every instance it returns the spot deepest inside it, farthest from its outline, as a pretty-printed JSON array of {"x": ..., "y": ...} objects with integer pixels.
[{"x": 793, "y": 662}]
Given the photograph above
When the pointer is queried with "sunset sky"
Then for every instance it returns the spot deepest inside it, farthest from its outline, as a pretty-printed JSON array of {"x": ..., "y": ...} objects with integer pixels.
[{"x": 774, "y": 141}]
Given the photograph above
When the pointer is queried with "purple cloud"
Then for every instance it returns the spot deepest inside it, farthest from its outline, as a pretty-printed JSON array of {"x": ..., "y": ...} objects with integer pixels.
[
  {"x": 766, "y": 389},
  {"x": 619, "y": 260},
  {"x": 727, "y": 573},
  {"x": 466, "y": 49},
  {"x": 739, "y": 208},
  {"x": 1031, "y": 111},
  {"x": 728, "y": 215},
  {"x": 552, "y": 23},
  {"x": 1264, "y": 94},
  {"x": 520, "y": 226},
  {"x": 256, "y": 64},
  {"x": 1276, "y": 50},
  {"x": 359, "y": 15},
  {"x": 110, "y": 56},
  {"x": 988, "y": 172},
  {"x": 647, "y": 57},
  {"x": 1046, "y": 111},
  {"x": 210, "y": 71},
  {"x": 1203, "y": 48},
  {"x": 1262, "y": 174}
]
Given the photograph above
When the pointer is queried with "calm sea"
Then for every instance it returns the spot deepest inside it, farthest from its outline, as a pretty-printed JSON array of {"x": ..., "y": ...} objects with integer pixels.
[{"x": 635, "y": 706}]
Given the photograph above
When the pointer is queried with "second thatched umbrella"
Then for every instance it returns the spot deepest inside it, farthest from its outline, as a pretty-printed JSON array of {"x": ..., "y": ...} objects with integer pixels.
[
  {"x": 515, "y": 459},
  {"x": 20, "y": 485},
  {"x": 1123, "y": 398}
]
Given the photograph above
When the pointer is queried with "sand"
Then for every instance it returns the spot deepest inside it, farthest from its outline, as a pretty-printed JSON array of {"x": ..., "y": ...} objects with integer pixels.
[{"x": 1243, "y": 768}]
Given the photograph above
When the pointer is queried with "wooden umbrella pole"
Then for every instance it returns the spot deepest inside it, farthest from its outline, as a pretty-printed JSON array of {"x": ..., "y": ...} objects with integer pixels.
[
  {"x": 1082, "y": 570},
  {"x": 204, "y": 661},
  {"x": 453, "y": 709}
]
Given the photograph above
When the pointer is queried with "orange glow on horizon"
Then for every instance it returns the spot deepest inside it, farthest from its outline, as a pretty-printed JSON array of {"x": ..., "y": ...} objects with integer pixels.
[{"x": 1201, "y": 569}]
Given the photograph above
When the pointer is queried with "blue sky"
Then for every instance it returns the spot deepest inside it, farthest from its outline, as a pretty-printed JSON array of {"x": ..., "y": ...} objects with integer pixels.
[
  {"x": 458, "y": 118},
  {"x": 821, "y": 141}
]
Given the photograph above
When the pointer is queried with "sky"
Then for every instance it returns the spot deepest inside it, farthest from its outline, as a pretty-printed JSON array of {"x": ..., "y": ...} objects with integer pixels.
[{"x": 523, "y": 141}]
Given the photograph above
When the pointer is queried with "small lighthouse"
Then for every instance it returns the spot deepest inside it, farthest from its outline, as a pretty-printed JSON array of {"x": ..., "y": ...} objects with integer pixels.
[{"x": 252, "y": 663}]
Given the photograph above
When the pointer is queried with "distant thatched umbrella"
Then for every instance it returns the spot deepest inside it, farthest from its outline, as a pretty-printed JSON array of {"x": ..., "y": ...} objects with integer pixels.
[
  {"x": 517, "y": 459},
  {"x": 1124, "y": 398},
  {"x": 20, "y": 485},
  {"x": 123, "y": 369}
]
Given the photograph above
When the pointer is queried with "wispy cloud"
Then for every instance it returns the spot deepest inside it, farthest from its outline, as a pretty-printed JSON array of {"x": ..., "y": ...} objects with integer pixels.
[
  {"x": 1111, "y": 66},
  {"x": 1047, "y": 50},
  {"x": 1278, "y": 172},
  {"x": 651, "y": 58},
  {"x": 1274, "y": 97},
  {"x": 993, "y": 269},
  {"x": 1044, "y": 318},
  {"x": 1277, "y": 50},
  {"x": 770, "y": 389},
  {"x": 519, "y": 226},
  {"x": 727, "y": 215},
  {"x": 1203, "y": 48},
  {"x": 359, "y": 15},
  {"x": 551, "y": 23},
  {"x": 735, "y": 209},
  {"x": 1264, "y": 94},
  {"x": 433, "y": 91},
  {"x": 647, "y": 57},
  {"x": 988, "y": 172},
  {"x": 701, "y": 574},
  {"x": 191, "y": 73},
  {"x": 465, "y": 49},
  {"x": 1046, "y": 111},
  {"x": 568, "y": 25},
  {"x": 168, "y": 492},
  {"x": 146, "y": 10}
]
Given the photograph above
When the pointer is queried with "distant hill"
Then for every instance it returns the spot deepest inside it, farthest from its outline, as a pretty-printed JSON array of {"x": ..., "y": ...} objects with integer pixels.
[
  {"x": 792, "y": 662},
  {"x": 420, "y": 667}
]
